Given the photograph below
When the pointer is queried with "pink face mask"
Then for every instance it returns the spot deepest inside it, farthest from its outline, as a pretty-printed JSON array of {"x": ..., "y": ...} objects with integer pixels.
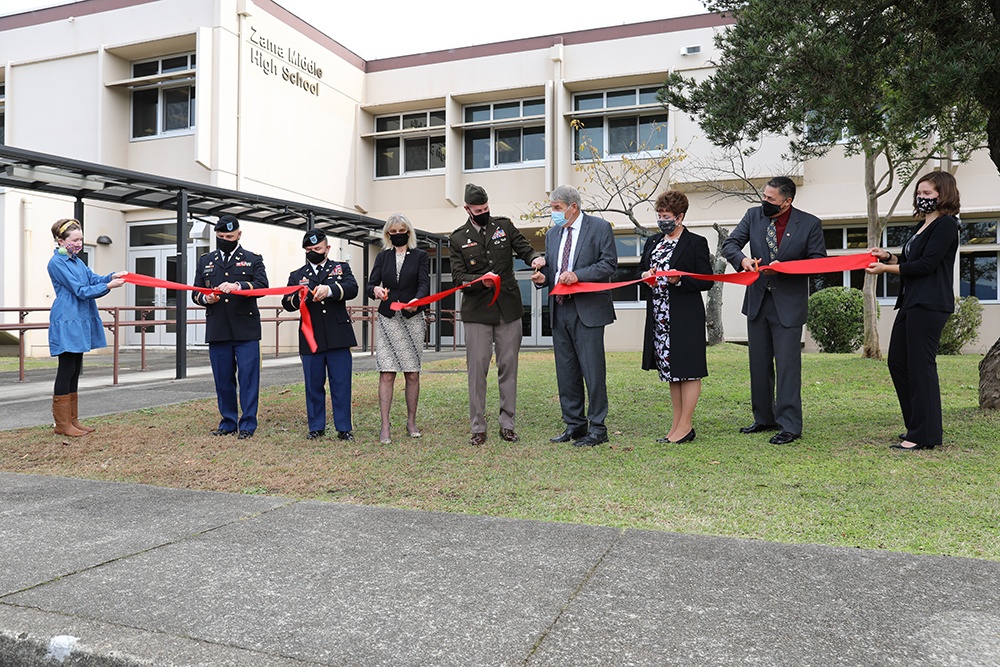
[{"x": 71, "y": 249}]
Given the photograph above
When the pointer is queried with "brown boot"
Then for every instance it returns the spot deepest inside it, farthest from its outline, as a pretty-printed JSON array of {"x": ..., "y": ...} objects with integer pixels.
[
  {"x": 75, "y": 414},
  {"x": 61, "y": 410}
]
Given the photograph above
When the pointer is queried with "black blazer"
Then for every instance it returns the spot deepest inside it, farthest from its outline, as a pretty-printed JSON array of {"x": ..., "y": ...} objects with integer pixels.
[
  {"x": 927, "y": 271},
  {"x": 331, "y": 322},
  {"x": 687, "y": 309},
  {"x": 414, "y": 279}
]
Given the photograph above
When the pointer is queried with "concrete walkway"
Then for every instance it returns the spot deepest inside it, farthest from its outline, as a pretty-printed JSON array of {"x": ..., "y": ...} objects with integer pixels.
[{"x": 137, "y": 575}]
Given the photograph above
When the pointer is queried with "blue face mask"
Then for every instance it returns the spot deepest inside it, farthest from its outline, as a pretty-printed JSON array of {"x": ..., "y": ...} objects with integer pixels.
[{"x": 558, "y": 218}]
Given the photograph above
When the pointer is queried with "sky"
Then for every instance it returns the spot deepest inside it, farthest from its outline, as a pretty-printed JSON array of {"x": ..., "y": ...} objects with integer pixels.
[{"x": 402, "y": 27}]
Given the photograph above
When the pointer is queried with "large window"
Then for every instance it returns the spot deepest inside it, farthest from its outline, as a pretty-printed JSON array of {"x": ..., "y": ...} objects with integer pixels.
[
  {"x": 409, "y": 143},
  {"x": 629, "y": 249},
  {"x": 852, "y": 240},
  {"x": 163, "y": 98},
  {"x": 504, "y": 134},
  {"x": 978, "y": 260},
  {"x": 618, "y": 123}
]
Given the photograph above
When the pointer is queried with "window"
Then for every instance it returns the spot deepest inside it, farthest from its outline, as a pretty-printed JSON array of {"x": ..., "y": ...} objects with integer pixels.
[
  {"x": 852, "y": 240},
  {"x": 504, "y": 134},
  {"x": 617, "y": 123},
  {"x": 979, "y": 255},
  {"x": 415, "y": 143},
  {"x": 629, "y": 249},
  {"x": 163, "y": 97},
  {"x": 3, "y": 97}
]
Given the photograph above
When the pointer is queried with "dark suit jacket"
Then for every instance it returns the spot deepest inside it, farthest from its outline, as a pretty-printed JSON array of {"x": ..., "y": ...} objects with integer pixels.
[
  {"x": 596, "y": 261},
  {"x": 231, "y": 317},
  {"x": 687, "y": 309},
  {"x": 414, "y": 279},
  {"x": 803, "y": 239},
  {"x": 473, "y": 253},
  {"x": 927, "y": 272},
  {"x": 330, "y": 321}
]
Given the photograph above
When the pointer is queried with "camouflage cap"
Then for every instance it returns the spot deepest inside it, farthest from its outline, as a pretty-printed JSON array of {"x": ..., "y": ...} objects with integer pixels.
[{"x": 475, "y": 195}]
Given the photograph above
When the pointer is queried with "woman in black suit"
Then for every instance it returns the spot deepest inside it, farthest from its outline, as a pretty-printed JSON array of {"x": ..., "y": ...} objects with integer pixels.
[
  {"x": 401, "y": 274},
  {"x": 674, "y": 343},
  {"x": 926, "y": 270}
]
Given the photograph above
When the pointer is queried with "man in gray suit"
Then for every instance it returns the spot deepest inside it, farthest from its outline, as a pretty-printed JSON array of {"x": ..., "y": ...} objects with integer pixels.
[
  {"x": 579, "y": 248},
  {"x": 776, "y": 305}
]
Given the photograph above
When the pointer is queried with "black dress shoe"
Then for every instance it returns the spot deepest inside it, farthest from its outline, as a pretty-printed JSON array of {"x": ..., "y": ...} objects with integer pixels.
[
  {"x": 313, "y": 435},
  {"x": 784, "y": 438},
  {"x": 759, "y": 428},
  {"x": 569, "y": 434},
  {"x": 910, "y": 449},
  {"x": 687, "y": 438},
  {"x": 591, "y": 439},
  {"x": 223, "y": 431},
  {"x": 245, "y": 435},
  {"x": 345, "y": 435}
]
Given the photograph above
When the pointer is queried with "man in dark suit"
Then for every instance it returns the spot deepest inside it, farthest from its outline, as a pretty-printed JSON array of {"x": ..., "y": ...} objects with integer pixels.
[
  {"x": 232, "y": 325},
  {"x": 776, "y": 305},
  {"x": 579, "y": 248},
  {"x": 331, "y": 285},
  {"x": 489, "y": 243}
]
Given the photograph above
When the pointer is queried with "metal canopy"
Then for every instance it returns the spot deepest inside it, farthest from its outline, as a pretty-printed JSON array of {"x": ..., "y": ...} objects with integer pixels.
[{"x": 28, "y": 170}]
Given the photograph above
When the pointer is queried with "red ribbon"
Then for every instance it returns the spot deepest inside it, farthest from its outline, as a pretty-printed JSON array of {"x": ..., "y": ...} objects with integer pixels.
[
  {"x": 491, "y": 277},
  {"x": 303, "y": 290},
  {"x": 795, "y": 267}
]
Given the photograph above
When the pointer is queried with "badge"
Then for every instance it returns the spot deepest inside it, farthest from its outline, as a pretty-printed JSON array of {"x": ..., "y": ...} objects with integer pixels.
[
  {"x": 338, "y": 270},
  {"x": 499, "y": 234},
  {"x": 469, "y": 243}
]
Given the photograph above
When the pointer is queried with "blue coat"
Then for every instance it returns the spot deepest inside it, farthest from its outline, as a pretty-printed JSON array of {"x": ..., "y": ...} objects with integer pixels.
[
  {"x": 74, "y": 323},
  {"x": 330, "y": 320}
]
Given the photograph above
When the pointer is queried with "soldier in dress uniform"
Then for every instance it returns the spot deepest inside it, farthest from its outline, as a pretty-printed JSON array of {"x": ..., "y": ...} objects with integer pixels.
[
  {"x": 232, "y": 325},
  {"x": 486, "y": 243},
  {"x": 331, "y": 285}
]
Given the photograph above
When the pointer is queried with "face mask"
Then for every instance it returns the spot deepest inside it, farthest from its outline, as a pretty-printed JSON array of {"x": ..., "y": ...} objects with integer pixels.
[
  {"x": 668, "y": 227},
  {"x": 315, "y": 257},
  {"x": 226, "y": 246},
  {"x": 71, "y": 249},
  {"x": 399, "y": 240},
  {"x": 481, "y": 219},
  {"x": 558, "y": 218},
  {"x": 926, "y": 204},
  {"x": 770, "y": 210}
]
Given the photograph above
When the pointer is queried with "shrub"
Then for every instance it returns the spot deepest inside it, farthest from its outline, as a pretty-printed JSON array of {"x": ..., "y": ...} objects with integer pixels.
[
  {"x": 836, "y": 319},
  {"x": 962, "y": 326}
]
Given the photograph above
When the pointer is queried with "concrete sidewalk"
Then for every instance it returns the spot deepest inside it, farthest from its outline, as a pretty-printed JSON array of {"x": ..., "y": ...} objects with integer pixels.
[{"x": 153, "y": 576}]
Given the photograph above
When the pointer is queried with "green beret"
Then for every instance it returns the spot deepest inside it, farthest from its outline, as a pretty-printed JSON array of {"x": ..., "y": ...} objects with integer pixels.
[{"x": 475, "y": 195}]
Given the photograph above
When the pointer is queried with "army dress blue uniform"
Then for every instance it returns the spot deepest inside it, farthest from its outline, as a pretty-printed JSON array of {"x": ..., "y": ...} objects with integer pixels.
[
  {"x": 232, "y": 331},
  {"x": 335, "y": 337}
]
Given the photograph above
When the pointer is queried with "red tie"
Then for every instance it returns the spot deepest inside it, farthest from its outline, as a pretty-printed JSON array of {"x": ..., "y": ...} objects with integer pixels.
[{"x": 564, "y": 264}]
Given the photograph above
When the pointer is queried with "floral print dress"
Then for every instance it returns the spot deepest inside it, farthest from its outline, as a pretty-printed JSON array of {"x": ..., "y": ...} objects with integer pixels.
[{"x": 660, "y": 261}]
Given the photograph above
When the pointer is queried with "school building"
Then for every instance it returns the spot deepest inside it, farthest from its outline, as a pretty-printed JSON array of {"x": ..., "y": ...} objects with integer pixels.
[{"x": 245, "y": 96}]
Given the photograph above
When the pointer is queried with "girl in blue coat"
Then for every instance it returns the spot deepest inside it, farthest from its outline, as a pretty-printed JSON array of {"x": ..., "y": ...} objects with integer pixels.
[{"x": 74, "y": 324}]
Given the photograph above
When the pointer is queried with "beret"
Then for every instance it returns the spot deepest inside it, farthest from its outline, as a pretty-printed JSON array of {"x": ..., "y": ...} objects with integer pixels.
[
  {"x": 227, "y": 223},
  {"x": 312, "y": 237}
]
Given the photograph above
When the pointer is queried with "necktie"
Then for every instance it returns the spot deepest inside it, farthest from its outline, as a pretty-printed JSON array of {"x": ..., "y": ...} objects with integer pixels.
[
  {"x": 772, "y": 240},
  {"x": 564, "y": 261}
]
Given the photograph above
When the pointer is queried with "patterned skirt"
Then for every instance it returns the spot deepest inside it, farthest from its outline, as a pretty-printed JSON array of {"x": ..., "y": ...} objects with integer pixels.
[{"x": 399, "y": 342}]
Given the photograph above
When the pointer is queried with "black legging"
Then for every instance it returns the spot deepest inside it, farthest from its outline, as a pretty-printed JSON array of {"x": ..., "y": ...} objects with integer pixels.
[{"x": 68, "y": 375}]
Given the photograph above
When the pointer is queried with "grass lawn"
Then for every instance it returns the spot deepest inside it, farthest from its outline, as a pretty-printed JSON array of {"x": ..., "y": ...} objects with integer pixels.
[{"x": 839, "y": 485}]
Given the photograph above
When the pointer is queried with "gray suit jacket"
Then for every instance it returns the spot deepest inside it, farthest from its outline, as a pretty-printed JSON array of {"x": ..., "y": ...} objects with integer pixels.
[
  {"x": 803, "y": 239},
  {"x": 596, "y": 261}
]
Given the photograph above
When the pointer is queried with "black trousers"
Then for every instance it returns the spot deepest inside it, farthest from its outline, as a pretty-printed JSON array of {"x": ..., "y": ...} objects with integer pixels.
[{"x": 913, "y": 347}]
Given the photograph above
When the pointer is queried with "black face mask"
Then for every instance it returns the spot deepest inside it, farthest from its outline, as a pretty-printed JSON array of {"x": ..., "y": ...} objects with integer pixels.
[
  {"x": 399, "y": 240},
  {"x": 226, "y": 246},
  {"x": 481, "y": 219},
  {"x": 770, "y": 210},
  {"x": 315, "y": 257}
]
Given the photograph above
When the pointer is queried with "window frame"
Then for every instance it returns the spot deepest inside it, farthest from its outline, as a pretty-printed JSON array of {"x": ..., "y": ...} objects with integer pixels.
[
  {"x": 164, "y": 82},
  {"x": 433, "y": 132},
  {"x": 638, "y": 110},
  {"x": 494, "y": 125}
]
